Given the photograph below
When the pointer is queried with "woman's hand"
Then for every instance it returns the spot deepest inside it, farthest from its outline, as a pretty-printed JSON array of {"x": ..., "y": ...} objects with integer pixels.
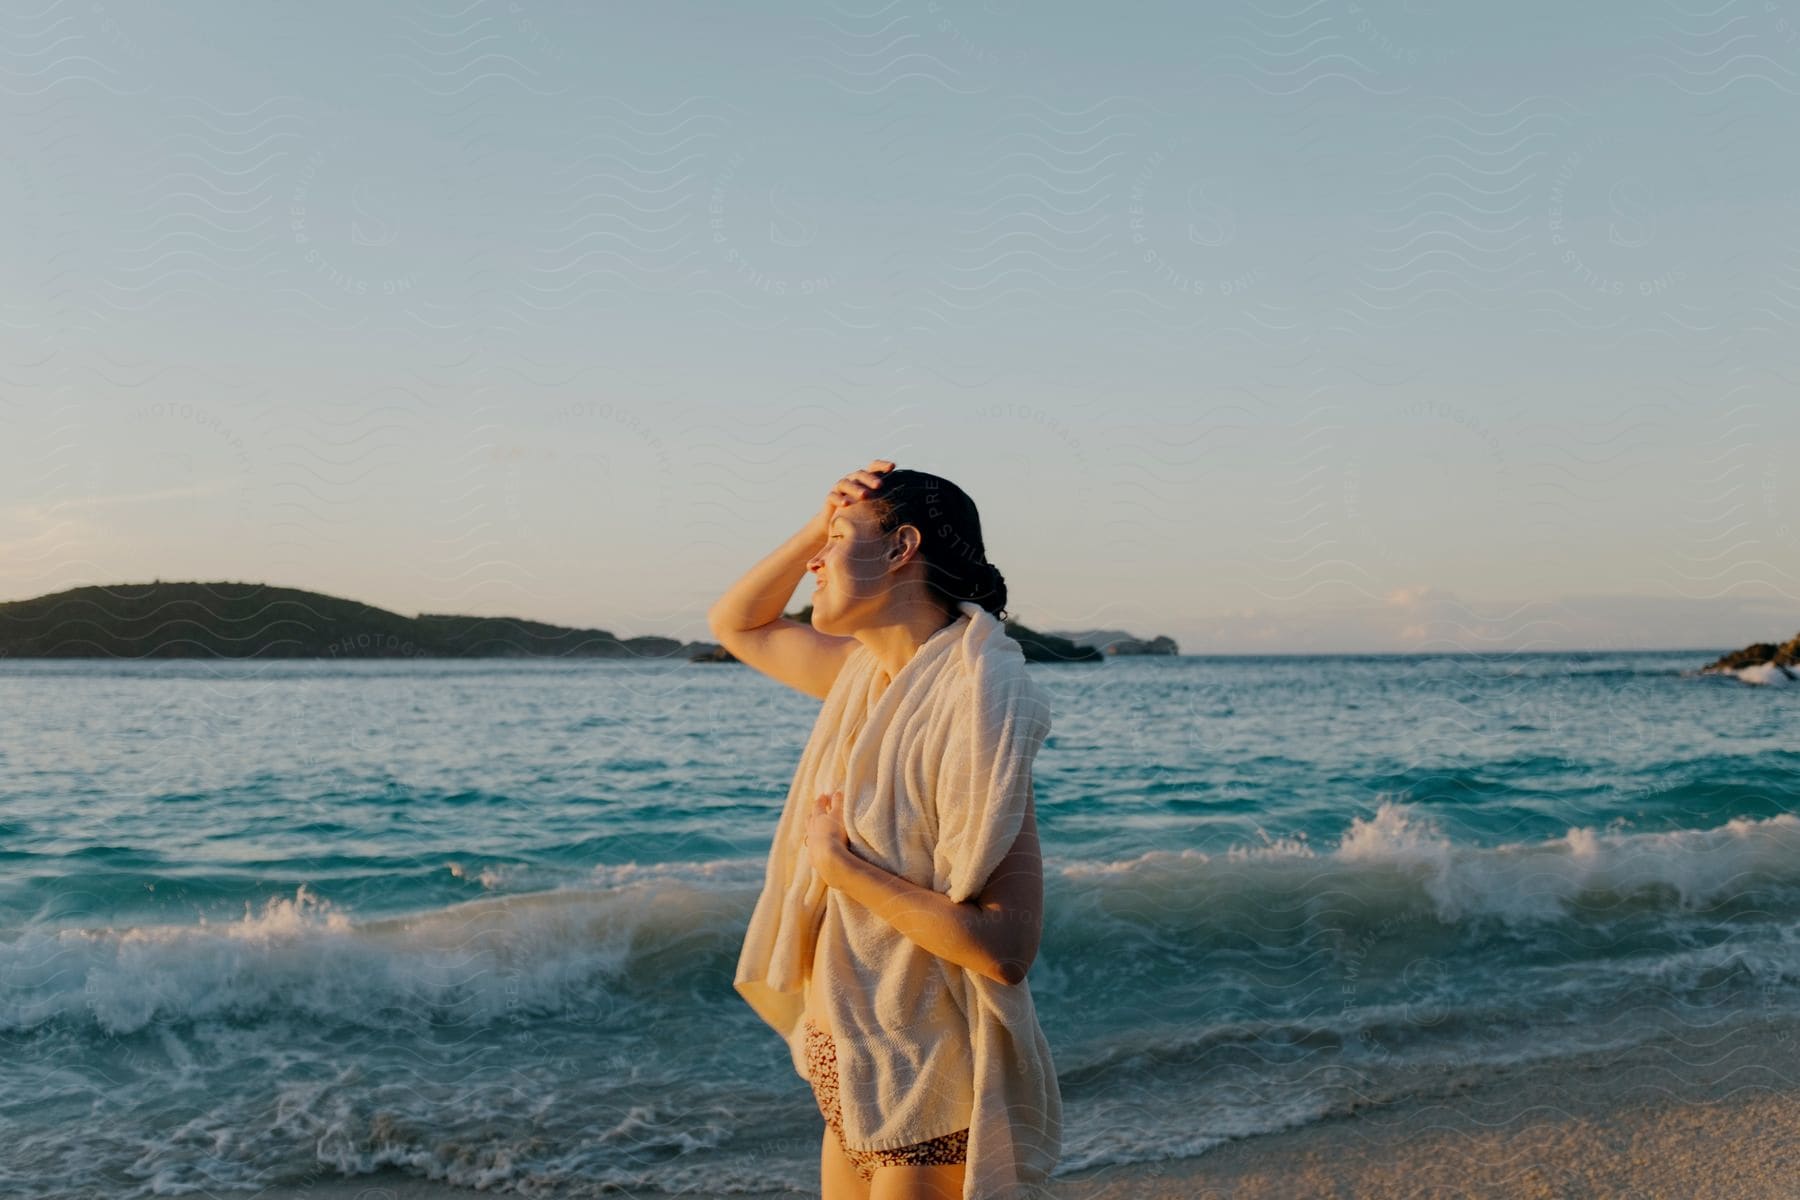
[
  {"x": 827, "y": 841},
  {"x": 857, "y": 485}
]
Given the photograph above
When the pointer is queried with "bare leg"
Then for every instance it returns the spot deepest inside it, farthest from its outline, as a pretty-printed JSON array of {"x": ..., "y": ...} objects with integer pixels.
[
  {"x": 943, "y": 1181},
  {"x": 838, "y": 1179}
]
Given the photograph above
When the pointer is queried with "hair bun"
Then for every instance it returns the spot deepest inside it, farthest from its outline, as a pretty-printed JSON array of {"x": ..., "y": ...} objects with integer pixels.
[
  {"x": 993, "y": 593},
  {"x": 956, "y": 567}
]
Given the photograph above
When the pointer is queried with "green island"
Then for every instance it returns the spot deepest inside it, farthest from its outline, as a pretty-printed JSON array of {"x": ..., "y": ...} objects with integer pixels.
[{"x": 161, "y": 620}]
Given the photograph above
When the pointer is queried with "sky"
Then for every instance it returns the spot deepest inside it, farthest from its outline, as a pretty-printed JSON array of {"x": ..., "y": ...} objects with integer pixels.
[{"x": 1334, "y": 327}]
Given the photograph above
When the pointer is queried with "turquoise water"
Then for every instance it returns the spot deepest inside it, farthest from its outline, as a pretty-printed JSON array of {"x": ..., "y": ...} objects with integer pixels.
[{"x": 479, "y": 920}]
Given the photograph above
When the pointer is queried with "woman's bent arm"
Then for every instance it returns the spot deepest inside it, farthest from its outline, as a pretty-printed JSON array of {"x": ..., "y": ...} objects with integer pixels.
[
  {"x": 995, "y": 935},
  {"x": 756, "y": 599},
  {"x": 927, "y": 918},
  {"x": 789, "y": 652}
]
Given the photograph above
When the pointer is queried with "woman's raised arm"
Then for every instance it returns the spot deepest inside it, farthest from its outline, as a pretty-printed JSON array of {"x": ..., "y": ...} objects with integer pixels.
[{"x": 747, "y": 619}]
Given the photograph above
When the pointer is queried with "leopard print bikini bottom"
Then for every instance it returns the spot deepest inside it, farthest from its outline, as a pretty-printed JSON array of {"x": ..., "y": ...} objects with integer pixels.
[{"x": 821, "y": 1061}]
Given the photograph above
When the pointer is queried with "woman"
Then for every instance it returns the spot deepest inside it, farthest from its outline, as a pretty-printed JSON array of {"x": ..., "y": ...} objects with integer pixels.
[{"x": 902, "y": 904}]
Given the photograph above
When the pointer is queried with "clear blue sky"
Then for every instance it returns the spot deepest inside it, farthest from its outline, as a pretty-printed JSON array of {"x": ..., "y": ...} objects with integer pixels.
[{"x": 1350, "y": 325}]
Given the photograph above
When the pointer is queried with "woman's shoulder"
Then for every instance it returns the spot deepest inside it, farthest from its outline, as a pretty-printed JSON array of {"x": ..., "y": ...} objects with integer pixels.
[
  {"x": 1001, "y": 674},
  {"x": 856, "y": 663}
]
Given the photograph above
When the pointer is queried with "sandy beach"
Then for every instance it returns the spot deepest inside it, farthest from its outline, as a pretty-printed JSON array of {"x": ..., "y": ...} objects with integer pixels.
[{"x": 1712, "y": 1113}]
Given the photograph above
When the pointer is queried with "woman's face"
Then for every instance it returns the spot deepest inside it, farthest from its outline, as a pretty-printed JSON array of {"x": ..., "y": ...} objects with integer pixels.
[{"x": 849, "y": 571}]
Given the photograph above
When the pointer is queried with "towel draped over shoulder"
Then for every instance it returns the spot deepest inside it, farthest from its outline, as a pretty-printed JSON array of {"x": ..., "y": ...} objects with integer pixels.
[{"x": 936, "y": 776}]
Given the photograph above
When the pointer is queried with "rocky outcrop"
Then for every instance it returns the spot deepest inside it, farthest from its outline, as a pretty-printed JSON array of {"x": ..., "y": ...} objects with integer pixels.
[
  {"x": 1114, "y": 642},
  {"x": 1783, "y": 658},
  {"x": 1156, "y": 645}
]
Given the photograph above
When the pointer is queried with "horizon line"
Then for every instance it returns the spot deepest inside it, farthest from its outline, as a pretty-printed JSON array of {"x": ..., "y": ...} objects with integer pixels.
[{"x": 670, "y": 637}]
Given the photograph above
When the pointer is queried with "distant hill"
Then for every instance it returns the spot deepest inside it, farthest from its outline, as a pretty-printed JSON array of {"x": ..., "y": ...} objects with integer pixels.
[
  {"x": 1050, "y": 647},
  {"x": 253, "y": 620},
  {"x": 1037, "y": 647},
  {"x": 1115, "y": 642}
]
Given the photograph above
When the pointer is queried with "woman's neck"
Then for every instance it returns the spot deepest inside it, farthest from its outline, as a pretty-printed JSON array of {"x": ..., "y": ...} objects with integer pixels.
[{"x": 895, "y": 645}]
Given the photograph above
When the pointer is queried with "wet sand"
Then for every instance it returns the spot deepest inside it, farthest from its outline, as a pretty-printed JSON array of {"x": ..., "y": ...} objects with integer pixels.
[{"x": 1713, "y": 1113}]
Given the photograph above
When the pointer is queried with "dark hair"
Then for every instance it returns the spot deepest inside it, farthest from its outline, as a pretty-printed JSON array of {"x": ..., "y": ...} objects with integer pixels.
[{"x": 956, "y": 565}]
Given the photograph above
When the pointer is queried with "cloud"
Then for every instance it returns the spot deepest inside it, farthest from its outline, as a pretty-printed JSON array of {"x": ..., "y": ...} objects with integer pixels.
[
  {"x": 1423, "y": 618},
  {"x": 1406, "y": 597},
  {"x": 53, "y": 510}
]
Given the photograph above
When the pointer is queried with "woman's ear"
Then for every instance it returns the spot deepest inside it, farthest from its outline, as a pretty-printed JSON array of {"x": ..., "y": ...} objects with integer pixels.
[{"x": 907, "y": 537}]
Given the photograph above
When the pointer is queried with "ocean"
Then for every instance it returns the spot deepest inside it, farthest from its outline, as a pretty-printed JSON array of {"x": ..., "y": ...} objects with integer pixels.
[{"x": 264, "y": 923}]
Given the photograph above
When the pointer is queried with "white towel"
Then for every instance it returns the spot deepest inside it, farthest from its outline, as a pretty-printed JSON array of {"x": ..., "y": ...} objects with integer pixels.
[{"x": 936, "y": 776}]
